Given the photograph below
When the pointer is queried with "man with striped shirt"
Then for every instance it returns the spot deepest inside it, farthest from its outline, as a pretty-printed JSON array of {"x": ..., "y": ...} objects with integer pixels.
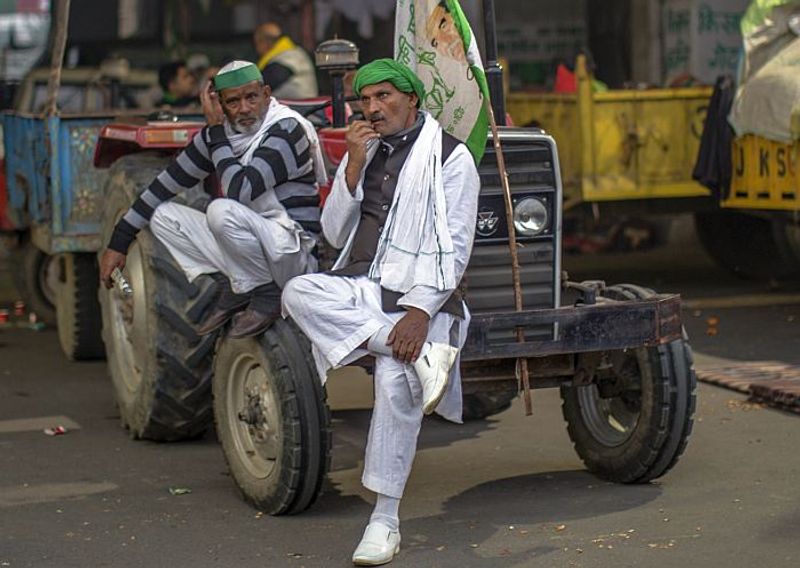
[{"x": 261, "y": 234}]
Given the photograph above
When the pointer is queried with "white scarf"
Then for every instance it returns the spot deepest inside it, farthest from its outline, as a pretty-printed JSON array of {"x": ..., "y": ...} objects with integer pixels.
[
  {"x": 244, "y": 145},
  {"x": 415, "y": 248}
]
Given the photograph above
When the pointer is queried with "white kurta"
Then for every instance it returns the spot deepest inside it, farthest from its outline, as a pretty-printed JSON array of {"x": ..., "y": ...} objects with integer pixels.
[{"x": 340, "y": 313}]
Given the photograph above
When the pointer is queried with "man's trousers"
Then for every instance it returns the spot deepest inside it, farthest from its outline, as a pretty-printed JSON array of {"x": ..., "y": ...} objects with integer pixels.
[
  {"x": 249, "y": 248},
  {"x": 340, "y": 313}
]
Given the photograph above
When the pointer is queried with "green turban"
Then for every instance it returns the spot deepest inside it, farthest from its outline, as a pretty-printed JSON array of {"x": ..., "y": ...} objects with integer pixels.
[{"x": 380, "y": 70}]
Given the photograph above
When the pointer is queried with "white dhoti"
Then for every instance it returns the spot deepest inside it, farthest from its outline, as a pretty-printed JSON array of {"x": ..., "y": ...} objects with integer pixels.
[
  {"x": 250, "y": 248},
  {"x": 338, "y": 314}
]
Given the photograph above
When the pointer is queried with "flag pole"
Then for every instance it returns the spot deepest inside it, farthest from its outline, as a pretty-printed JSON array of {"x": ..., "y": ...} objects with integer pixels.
[
  {"x": 496, "y": 100},
  {"x": 522, "y": 362},
  {"x": 494, "y": 73},
  {"x": 57, "y": 59}
]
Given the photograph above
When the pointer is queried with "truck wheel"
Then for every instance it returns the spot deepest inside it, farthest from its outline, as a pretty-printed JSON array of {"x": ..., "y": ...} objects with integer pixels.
[
  {"x": 160, "y": 368},
  {"x": 787, "y": 238},
  {"x": 633, "y": 422},
  {"x": 272, "y": 418},
  {"x": 479, "y": 405},
  {"x": 36, "y": 281},
  {"x": 749, "y": 246},
  {"x": 77, "y": 308}
]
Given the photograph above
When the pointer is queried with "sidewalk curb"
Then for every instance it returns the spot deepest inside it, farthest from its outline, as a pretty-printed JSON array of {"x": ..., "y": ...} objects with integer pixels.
[{"x": 774, "y": 383}]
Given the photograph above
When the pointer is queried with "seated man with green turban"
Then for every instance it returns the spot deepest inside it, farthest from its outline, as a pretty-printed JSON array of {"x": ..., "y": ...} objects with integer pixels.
[
  {"x": 261, "y": 233},
  {"x": 402, "y": 209}
]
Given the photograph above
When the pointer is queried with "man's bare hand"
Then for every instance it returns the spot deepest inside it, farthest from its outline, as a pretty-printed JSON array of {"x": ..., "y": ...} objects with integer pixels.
[
  {"x": 111, "y": 259},
  {"x": 408, "y": 335},
  {"x": 212, "y": 108},
  {"x": 358, "y": 134}
]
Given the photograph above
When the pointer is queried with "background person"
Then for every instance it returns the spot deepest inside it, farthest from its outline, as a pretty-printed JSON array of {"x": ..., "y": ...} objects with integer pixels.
[
  {"x": 286, "y": 67},
  {"x": 178, "y": 84}
]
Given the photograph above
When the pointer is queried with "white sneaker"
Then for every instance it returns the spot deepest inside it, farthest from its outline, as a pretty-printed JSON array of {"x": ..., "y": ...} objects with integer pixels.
[
  {"x": 433, "y": 370},
  {"x": 378, "y": 546}
]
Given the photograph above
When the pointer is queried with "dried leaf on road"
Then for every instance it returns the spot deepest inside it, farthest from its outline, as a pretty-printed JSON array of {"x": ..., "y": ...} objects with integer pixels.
[{"x": 745, "y": 405}]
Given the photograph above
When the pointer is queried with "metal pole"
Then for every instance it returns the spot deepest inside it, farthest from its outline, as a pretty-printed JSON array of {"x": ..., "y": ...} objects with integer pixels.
[
  {"x": 494, "y": 73},
  {"x": 522, "y": 362},
  {"x": 337, "y": 95},
  {"x": 57, "y": 59}
]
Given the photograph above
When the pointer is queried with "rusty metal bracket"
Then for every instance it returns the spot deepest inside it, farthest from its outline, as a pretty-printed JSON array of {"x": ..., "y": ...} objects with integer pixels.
[
  {"x": 589, "y": 290},
  {"x": 586, "y": 365},
  {"x": 581, "y": 329}
]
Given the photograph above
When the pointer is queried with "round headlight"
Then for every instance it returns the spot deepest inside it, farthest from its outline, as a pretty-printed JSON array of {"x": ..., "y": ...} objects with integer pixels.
[{"x": 530, "y": 217}]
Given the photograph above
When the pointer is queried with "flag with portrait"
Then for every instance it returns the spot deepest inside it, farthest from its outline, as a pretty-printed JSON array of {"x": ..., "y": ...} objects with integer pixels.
[{"x": 434, "y": 39}]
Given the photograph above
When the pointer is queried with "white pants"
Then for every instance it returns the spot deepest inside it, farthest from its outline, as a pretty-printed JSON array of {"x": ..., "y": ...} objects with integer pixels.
[
  {"x": 338, "y": 314},
  {"x": 231, "y": 238}
]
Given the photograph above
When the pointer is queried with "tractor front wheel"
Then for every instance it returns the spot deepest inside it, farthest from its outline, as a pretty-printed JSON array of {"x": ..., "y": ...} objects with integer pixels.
[{"x": 632, "y": 423}]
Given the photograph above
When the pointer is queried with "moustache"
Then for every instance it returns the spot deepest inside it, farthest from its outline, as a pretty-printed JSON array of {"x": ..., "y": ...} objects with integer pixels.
[{"x": 376, "y": 116}]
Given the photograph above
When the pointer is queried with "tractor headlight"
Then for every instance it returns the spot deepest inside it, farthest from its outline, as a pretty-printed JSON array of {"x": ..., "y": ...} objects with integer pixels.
[{"x": 530, "y": 216}]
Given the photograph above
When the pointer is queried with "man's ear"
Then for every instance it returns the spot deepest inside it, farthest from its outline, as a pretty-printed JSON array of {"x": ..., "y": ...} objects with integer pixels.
[
  {"x": 267, "y": 91},
  {"x": 414, "y": 99}
]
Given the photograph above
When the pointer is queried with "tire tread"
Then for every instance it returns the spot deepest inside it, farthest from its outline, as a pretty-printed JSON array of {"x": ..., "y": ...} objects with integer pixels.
[{"x": 672, "y": 418}]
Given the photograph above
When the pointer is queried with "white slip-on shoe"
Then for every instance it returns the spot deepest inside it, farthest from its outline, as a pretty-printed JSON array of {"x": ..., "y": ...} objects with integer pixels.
[
  {"x": 378, "y": 546},
  {"x": 433, "y": 370}
]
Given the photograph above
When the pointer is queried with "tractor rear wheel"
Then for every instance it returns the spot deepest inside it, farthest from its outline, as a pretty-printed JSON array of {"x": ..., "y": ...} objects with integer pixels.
[
  {"x": 479, "y": 405},
  {"x": 160, "y": 367}
]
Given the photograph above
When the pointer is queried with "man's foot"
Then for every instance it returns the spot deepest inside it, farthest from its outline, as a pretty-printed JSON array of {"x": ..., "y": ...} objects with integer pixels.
[
  {"x": 433, "y": 370},
  {"x": 228, "y": 304},
  {"x": 378, "y": 546},
  {"x": 264, "y": 309}
]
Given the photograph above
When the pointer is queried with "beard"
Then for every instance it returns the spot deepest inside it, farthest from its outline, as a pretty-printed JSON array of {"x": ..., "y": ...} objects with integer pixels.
[{"x": 251, "y": 128}]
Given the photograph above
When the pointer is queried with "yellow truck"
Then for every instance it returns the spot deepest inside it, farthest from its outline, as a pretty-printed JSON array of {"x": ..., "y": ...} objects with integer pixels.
[
  {"x": 623, "y": 152},
  {"x": 631, "y": 153},
  {"x": 757, "y": 233}
]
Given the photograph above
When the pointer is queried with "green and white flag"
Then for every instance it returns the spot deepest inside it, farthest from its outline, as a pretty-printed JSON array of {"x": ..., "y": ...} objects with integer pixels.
[{"x": 433, "y": 38}]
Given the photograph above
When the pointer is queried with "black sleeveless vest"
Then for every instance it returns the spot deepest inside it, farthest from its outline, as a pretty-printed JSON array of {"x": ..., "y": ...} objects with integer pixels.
[{"x": 380, "y": 182}]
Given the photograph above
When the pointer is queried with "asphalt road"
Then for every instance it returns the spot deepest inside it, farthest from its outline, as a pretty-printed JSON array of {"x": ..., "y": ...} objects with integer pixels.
[{"x": 505, "y": 492}]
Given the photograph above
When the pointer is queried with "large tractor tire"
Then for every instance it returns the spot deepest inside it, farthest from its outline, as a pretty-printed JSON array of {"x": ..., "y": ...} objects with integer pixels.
[
  {"x": 751, "y": 247},
  {"x": 160, "y": 368},
  {"x": 272, "y": 418},
  {"x": 77, "y": 307},
  {"x": 36, "y": 280},
  {"x": 633, "y": 422}
]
